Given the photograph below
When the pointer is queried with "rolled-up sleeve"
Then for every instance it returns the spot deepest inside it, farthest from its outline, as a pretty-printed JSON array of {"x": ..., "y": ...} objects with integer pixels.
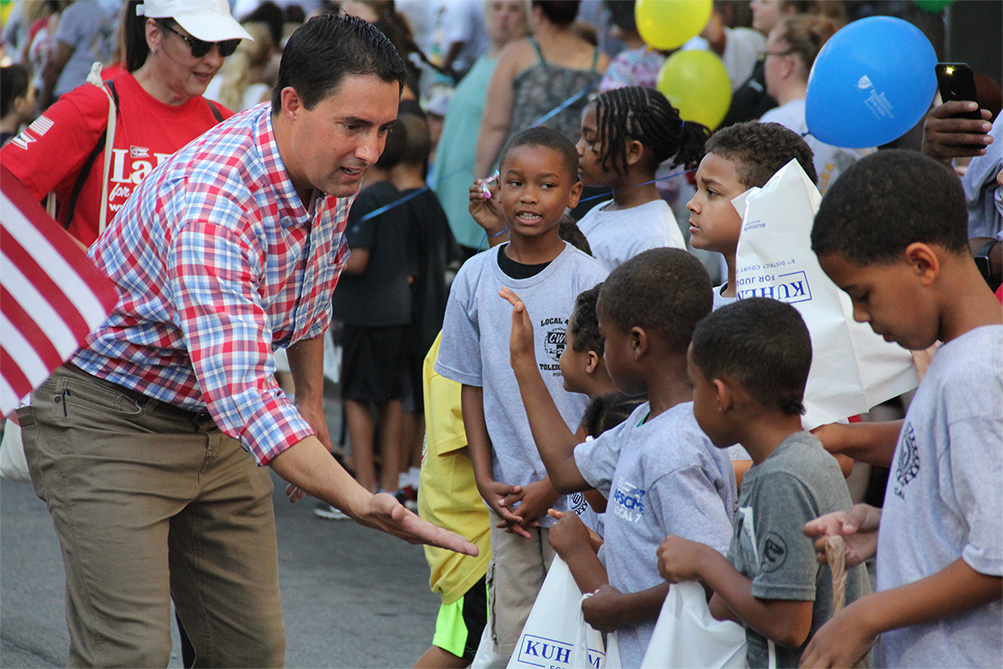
[{"x": 219, "y": 311}]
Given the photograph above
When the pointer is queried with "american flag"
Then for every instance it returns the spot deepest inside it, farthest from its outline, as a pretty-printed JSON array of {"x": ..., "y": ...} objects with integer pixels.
[{"x": 51, "y": 294}]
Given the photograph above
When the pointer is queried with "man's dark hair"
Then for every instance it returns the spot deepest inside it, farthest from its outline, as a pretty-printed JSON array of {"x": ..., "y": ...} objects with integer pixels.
[
  {"x": 326, "y": 49},
  {"x": 418, "y": 143},
  {"x": 559, "y": 12},
  {"x": 644, "y": 114},
  {"x": 665, "y": 291},
  {"x": 759, "y": 150},
  {"x": 584, "y": 322},
  {"x": 548, "y": 139},
  {"x": 607, "y": 411},
  {"x": 14, "y": 83},
  {"x": 761, "y": 343},
  {"x": 887, "y": 201}
]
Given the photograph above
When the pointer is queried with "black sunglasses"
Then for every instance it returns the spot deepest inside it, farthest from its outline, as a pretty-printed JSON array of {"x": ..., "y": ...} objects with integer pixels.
[{"x": 200, "y": 48}]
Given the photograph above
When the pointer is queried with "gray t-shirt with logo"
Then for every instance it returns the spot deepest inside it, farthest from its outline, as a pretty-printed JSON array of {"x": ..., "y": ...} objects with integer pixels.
[
  {"x": 944, "y": 502},
  {"x": 661, "y": 476},
  {"x": 799, "y": 482},
  {"x": 475, "y": 350}
]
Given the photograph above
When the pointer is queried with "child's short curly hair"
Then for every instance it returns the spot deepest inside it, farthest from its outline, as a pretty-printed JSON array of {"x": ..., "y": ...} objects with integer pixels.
[
  {"x": 759, "y": 150},
  {"x": 666, "y": 291},
  {"x": 584, "y": 322},
  {"x": 549, "y": 139},
  {"x": 607, "y": 411},
  {"x": 887, "y": 201},
  {"x": 761, "y": 343}
]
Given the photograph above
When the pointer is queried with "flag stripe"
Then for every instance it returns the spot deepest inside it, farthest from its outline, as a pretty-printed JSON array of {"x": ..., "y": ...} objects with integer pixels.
[
  {"x": 22, "y": 321},
  {"x": 20, "y": 351},
  {"x": 44, "y": 317},
  {"x": 18, "y": 379},
  {"x": 51, "y": 294},
  {"x": 43, "y": 263}
]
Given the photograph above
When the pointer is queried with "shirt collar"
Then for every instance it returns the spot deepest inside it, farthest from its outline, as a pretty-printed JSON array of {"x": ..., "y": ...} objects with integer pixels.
[{"x": 291, "y": 211}]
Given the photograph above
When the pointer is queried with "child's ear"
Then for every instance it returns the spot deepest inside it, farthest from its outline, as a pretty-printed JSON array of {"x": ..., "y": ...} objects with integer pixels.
[
  {"x": 725, "y": 399},
  {"x": 924, "y": 262},
  {"x": 634, "y": 152},
  {"x": 592, "y": 361},
  {"x": 638, "y": 342},
  {"x": 575, "y": 195}
]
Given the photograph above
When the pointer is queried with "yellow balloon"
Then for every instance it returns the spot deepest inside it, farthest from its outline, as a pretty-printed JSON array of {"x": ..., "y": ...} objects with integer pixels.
[
  {"x": 667, "y": 24},
  {"x": 697, "y": 84}
]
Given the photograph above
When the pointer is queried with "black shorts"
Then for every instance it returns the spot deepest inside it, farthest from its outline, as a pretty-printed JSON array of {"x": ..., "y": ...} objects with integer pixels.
[{"x": 373, "y": 363}]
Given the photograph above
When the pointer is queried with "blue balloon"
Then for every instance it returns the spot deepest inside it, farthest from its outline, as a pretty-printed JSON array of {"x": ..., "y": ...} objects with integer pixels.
[{"x": 871, "y": 82}]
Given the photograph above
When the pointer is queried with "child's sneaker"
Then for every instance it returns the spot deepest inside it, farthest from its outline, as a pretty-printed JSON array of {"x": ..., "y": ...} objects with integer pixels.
[{"x": 328, "y": 512}]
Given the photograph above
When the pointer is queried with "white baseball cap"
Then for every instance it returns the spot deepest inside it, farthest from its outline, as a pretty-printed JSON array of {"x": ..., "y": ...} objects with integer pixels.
[{"x": 207, "y": 20}]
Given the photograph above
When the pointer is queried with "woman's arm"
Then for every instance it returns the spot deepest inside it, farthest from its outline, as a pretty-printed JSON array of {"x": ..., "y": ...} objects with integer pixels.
[{"x": 498, "y": 108}]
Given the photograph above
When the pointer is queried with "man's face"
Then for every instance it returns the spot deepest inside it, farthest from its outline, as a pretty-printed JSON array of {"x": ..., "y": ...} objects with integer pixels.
[
  {"x": 887, "y": 297},
  {"x": 331, "y": 146}
]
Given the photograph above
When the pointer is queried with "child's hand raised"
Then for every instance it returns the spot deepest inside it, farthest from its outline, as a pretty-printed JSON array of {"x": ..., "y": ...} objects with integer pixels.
[
  {"x": 486, "y": 210},
  {"x": 521, "y": 346},
  {"x": 858, "y": 527}
]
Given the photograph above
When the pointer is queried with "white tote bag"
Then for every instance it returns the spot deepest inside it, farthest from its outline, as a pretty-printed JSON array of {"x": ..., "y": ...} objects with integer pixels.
[
  {"x": 687, "y": 635},
  {"x": 13, "y": 465},
  {"x": 852, "y": 368},
  {"x": 556, "y": 635}
]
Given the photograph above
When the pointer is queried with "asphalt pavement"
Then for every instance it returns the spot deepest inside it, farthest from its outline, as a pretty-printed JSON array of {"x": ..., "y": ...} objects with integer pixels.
[{"x": 351, "y": 597}]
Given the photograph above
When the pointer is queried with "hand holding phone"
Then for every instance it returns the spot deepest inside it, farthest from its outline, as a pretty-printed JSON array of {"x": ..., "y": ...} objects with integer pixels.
[
  {"x": 956, "y": 128},
  {"x": 956, "y": 82}
]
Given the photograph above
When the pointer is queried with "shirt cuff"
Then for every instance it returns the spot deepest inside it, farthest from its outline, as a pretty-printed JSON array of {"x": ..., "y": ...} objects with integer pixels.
[{"x": 272, "y": 429}]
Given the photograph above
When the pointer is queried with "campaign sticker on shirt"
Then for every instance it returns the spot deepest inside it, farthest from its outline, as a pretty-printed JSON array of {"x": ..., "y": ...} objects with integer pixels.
[{"x": 774, "y": 552}]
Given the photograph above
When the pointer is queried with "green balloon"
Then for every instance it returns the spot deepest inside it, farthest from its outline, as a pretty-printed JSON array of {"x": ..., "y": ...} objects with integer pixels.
[{"x": 933, "y": 6}]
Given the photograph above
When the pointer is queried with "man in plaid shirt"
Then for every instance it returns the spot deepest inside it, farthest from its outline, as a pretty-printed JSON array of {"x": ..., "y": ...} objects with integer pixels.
[{"x": 139, "y": 446}]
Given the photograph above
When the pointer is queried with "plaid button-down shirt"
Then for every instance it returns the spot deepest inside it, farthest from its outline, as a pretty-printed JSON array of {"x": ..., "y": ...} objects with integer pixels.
[{"x": 217, "y": 263}]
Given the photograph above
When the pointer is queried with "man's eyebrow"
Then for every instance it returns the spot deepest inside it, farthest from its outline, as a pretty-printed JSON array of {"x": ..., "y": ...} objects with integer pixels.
[{"x": 358, "y": 120}]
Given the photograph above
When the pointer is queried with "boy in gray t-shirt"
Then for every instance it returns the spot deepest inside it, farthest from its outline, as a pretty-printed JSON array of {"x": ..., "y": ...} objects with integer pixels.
[
  {"x": 658, "y": 471},
  {"x": 538, "y": 180},
  {"x": 891, "y": 234},
  {"x": 748, "y": 364}
]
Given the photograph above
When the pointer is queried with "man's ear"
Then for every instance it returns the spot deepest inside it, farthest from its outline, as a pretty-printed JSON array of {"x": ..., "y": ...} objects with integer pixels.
[
  {"x": 291, "y": 103},
  {"x": 924, "y": 262},
  {"x": 575, "y": 194}
]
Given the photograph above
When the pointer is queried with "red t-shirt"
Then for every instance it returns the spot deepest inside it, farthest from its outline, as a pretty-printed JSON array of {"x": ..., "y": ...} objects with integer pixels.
[{"x": 49, "y": 154}]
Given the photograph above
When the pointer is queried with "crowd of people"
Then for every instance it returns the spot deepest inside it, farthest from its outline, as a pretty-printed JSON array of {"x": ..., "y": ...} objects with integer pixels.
[{"x": 522, "y": 262}]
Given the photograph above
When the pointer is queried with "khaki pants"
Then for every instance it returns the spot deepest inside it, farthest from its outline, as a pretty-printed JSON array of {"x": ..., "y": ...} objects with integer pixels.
[
  {"x": 151, "y": 502},
  {"x": 517, "y": 569}
]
